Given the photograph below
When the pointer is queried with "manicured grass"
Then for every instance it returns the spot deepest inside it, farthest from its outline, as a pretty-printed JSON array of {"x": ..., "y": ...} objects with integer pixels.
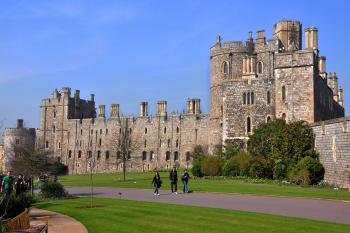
[
  {"x": 143, "y": 180},
  {"x": 135, "y": 216}
]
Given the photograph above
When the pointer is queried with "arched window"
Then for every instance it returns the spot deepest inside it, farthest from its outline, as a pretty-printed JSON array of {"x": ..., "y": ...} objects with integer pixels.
[
  {"x": 177, "y": 143},
  {"x": 168, "y": 142},
  {"x": 100, "y": 131},
  {"x": 90, "y": 154},
  {"x": 81, "y": 132},
  {"x": 98, "y": 154},
  {"x": 244, "y": 98},
  {"x": 53, "y": 129},
  {"x": 129, "y": 155},
  {"x": 268, "y": 97},
  {"x": 118, "y": 155},
  {"x": 47, "y": 144},
  {"x": 248, "y": 125},
  {"x": 283, "y": 93},
  {"x": 145, "y": 130},
  {"x": 177, "y": 129},
  {"x": 164, "y": 130},
  {"x": 144, "y": 156},
  {"x": 248, "y": 98},
  {"x": 167, "y": 156},
  {"x": 79, "y": 154},
  {"x": 268, "y": 119},
  {"x": 225, "y": 67},
  {"x": 188, "y": 156},
  {"x": 107, "y": 154},
  {"x": 252, "y": 97},
  {"x": 284, "y": 116},
  {"x": 151, "y": 155},
  {"x": 69, "y": 154},
  {"x": 100, "y": 142},
  {"x": 259, "y": 67},
  {"x": 176, "y": 156}
]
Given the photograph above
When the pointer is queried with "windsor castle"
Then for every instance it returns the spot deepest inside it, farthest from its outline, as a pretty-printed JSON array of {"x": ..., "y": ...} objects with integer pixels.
[{"x": 251, "y": 82}]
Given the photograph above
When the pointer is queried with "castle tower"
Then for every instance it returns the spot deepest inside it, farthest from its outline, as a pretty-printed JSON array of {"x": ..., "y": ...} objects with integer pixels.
[
  {"x": 143, "y": 109},
  {"x": 101, "y": 111},
  {"x": 311, "y": 39},
  {"x": 289, "y": 34},
  {"x": 114, "y": 110},
  {"x": 322, "y": 66},
  {"x": 162, "y": 108}
]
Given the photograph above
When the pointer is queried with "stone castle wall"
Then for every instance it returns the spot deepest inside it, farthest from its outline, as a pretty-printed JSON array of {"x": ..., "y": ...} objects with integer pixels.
[{"x": 333, "y": 146}]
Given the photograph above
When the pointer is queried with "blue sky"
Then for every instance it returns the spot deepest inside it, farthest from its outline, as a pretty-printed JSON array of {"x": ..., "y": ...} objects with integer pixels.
[{"x": 129, "y": 51}]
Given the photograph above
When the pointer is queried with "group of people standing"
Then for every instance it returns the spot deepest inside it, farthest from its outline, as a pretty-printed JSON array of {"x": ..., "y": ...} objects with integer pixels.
[
  {"x": 10, "y": 183},
  {"x": 173, "y": 177}
]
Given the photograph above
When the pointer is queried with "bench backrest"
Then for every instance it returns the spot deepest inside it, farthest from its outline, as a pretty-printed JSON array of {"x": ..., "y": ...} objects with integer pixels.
[{"x": 20, "y": 222}]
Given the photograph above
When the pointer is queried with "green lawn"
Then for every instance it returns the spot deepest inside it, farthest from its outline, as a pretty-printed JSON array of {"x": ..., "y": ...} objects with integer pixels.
[
  {"x": 143, "y": 180},
  {"x": 135, "y": 216}
]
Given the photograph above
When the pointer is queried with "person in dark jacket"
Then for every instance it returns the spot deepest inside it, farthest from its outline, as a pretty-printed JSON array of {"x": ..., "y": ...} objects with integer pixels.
[
  {"x": 173, "y": 180},
  {"x": 185, "y": 177},
  {"x": 20, "y": 186},
  {"x": 157, "y": 183}
]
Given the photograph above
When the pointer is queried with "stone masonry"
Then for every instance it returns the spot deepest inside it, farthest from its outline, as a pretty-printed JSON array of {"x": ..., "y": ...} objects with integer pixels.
[{"x": 251, "y": 83}]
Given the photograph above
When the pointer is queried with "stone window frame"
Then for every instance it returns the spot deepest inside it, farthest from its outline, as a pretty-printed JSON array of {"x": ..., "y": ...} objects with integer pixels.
[
  {"x": 177, "y": 129},
  {"x": 283, "y": 93},
  {"x": 89, "y": 154},
  {"x": 226, "y": 67},
  {"x": 244, "y": 98},
  {"x": 176, "y": 156},
  {"x": 47, "y": 144},
  {"x": 146, "y": 130},
  {"x": 17, "y": 141},
  {"x": 107, "y": 154},
  {"x": 268, "y": 97},
  {"x": 69, "y": 154},
  {"x": 151, "y": 155},
  {"x": 79, "y": 154},
  {"x": 144, "y": 155},
  {"x": 167, "y": 156},
  {"x": 259, "y": 67},
  {"x": 248, "y": 124},
  {"x": 98, "y": 154}
]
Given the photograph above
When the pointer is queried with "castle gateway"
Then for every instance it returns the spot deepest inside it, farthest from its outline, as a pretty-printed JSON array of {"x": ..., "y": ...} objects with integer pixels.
[{"x": 251, "y": 82}]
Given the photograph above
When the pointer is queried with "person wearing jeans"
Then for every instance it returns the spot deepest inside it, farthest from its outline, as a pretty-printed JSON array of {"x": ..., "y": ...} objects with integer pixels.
[
  {"x": 156, "y": 183},
  {"x": 185, "y": 176}
]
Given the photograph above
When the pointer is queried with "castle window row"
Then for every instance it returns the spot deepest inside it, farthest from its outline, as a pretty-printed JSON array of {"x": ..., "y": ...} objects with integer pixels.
[{"x": 248, "y": 98}]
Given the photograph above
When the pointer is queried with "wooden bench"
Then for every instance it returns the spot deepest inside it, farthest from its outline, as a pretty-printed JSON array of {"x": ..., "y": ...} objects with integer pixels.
[{"x": 21, "y": 223}]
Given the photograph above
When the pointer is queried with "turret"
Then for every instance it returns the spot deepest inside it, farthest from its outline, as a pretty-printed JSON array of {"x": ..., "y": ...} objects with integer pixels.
[
  {"x": 65, "y": 92},
  {"x": 92, "y": 97},
  {"x": 193, "y": 106},
  {"x": 289, "y": 34},
  {"x": 333, "y": 84},
  {"x": 341, "y": 100},
  {"x": 114, "y": 110},
  {"x": 260, "y": 37},
  {"x": 322, "y": 66},
  {"x": 101, "y": 111},
  {"x": 311, "y": 39},
  {"x": 162, "y": 108},
  {"x": 143, "y": 109},
  {"x": 19, "y": 124}
]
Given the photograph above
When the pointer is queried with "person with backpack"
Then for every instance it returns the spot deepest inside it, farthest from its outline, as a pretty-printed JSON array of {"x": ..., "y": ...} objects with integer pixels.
[
  {"x": 185, "y": 177},
  {"x": 173, "y": 180},
  {"x": 157, "y": 183}
]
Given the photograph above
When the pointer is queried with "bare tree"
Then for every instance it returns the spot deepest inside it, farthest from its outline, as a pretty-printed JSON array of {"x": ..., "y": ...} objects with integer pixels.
[{"x": 128, "y": 145}]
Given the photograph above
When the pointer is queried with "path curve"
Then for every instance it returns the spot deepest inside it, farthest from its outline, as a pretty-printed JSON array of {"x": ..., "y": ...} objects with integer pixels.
[
  {"x": 59, "y": 223},
  {"x": 324, "y": 210}
]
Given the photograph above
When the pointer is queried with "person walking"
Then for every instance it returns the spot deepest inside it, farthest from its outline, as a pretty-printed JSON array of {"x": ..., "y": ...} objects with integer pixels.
[
  {"x": 173, "y": 180},
  {"x": 185, "y": 177},
  {"x": 7, "y": 184},
  {"x": 157, "y": 183},
  {"x": 20, "y": 186}
]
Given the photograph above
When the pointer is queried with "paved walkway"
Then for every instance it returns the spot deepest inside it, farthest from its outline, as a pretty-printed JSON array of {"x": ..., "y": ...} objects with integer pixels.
[
  {"x": 325, "y": 210},
  {"x": 59, "y": 223}
]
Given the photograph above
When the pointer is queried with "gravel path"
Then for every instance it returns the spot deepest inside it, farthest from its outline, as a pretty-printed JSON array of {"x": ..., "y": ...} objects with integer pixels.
[{"x": 325, "y": 210}]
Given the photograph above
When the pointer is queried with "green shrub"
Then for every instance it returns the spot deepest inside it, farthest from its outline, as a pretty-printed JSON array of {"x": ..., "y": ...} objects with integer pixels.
[
  {"x": 197, "y": 168},
  {"x": 230, "y": 168},
  {"x": 299, "y": 176},
  {"x": 279, "y": 171},
  {"x": 212, "y": 166},
  {"x": 314, "y": 167},
  {"x": 259, "y": 168},
  {"x": 52, "y": 189},
  {"x": 15, "y": 204},
  {"x": 58, "y": 169}
]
